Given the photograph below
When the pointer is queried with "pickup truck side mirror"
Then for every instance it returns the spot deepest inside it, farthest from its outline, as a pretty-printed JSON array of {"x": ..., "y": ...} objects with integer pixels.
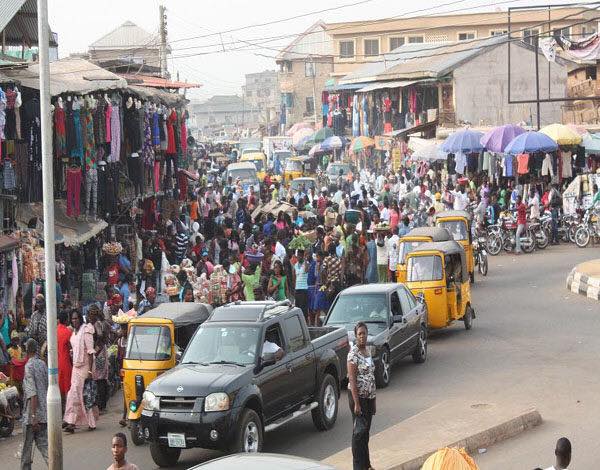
[{"x": 268, "y": 359}]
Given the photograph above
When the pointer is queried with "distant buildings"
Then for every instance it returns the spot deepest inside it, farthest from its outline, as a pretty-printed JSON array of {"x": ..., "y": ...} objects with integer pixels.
[
  {"x": 261, "y": 95},
  {"x": 221, "y": 111}
]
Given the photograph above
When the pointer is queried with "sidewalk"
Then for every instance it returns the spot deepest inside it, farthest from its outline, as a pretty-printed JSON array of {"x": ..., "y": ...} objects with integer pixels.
[
  {"x": 584, "y": 279},
  {"x": 453, "y": 423}
]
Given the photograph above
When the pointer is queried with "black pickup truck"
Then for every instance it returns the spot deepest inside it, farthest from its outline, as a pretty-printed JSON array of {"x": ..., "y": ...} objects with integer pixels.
[{"x": 251, "y": 367}]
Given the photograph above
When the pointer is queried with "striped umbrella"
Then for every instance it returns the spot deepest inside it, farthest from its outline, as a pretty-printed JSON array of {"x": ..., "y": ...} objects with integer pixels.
[
  {"x": 361, "y": 143},
  {"x": 334, "y": 143},
  {"x": 301, "y": 134},
  {"x": 323, "y": 134},
  {"x": 298, "y": 126}
]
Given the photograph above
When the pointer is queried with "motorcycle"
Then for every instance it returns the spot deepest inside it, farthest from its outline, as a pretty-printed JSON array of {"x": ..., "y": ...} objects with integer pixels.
[
  {"x": 480, "y": 254},
  {"x": 504, "y": 235},
  {"x": 588, "y": 229},
  {"x": 541, "y": 237}
]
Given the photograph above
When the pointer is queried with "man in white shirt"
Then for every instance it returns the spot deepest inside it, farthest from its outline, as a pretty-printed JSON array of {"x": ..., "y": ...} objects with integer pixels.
[
  {"x": 534, "y": 205},
  {"x": 563, "y": 454},
  {"x": 392, "y": 248},
  {"x": 461, "y": 200}
]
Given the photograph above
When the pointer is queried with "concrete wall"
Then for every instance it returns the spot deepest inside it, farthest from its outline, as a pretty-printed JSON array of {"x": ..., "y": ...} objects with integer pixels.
[
  {"x": 302, "y": 87},
  {"x": 148, "y": 56},
  {"x": 481, "y": 88}
]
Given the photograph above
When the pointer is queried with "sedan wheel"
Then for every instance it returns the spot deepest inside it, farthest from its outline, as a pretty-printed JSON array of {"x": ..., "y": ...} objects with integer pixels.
[
  {"x": 383, "y": 373},
  {"x": 420, "y": 354}
]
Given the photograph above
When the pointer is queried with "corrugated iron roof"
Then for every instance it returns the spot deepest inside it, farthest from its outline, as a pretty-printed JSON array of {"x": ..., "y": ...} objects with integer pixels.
[
  {"x": 127, "y": 36},
  {"x": 431, "y": 60},
  {"x": 68, "y": 75},
  {"x": 18, "y": 20},
  {"x": 156, "y": 82}
]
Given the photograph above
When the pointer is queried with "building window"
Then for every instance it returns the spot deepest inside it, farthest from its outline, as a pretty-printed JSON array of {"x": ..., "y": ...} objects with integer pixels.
[
  {"x": 587, "y": 30},
  {"x": 415, "y": 39},
  {"x": 498, "y": 32},
  {"x": 530, "y": 35},
  {"x": 286, "y": 66},
  {"x": 468, "y": 36},
  {"x": 371, "y": 47},
  {"x": 310, "y": 105},
  {"x": 395, "y": 43},
  {"x": 309, "y": 69},
  {"x": 564, "y": 32},
  {"x": 346, "y": 49}
]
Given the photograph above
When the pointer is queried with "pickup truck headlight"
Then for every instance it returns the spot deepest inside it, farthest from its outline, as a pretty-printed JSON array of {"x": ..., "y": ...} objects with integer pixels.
[
  {"x": 150, "y": 401},
  {"x": 216, "y": 402}
]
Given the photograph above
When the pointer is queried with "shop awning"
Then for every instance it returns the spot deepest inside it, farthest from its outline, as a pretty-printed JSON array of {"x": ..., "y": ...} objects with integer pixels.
[
  {"x": 7, "y": 243},
  {"x": 68, "y": 231},
  {"x": 389, "y": 84},
  {"x": 347, "y": 86}
]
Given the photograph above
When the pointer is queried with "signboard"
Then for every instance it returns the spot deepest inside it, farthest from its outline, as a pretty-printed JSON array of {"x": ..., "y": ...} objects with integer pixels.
[
  {"x": 396, "y": 158},
  {"x": 382, "y": 142}
]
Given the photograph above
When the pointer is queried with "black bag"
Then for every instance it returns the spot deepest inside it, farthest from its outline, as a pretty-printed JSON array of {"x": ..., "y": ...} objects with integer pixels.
[{"x": 90, "y": 393}]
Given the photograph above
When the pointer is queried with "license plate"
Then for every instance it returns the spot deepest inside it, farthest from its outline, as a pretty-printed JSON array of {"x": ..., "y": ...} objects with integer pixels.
[{"x": 176, "y": 440}]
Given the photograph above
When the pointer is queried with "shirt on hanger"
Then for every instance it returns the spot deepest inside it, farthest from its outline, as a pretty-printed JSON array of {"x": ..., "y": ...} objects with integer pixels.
[{"x": 523, "y": 163}]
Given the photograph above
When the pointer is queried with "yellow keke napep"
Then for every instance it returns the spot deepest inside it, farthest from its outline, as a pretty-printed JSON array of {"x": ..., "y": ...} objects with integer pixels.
[
  {"x": 458, "y": 223},
  {"x": 412, "y": 240},
  {"x": 298, "y": 167},
  {"x": 260, "y": 162},
  {"x": 154, "y": 342},
  {"x": 438, "y": 272}
]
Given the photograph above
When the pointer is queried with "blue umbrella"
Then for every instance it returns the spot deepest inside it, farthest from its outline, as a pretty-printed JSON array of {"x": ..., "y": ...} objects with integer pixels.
[
  {"x": 531, "y": 142},
  {"x": 304, "y": 142},
  {"x": 465, "y": 141},
  {"x": 333, "y": 143}
]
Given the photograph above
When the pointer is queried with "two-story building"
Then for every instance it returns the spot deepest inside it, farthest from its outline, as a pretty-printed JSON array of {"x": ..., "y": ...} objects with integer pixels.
[
  {"x": 305, "y": 66},
  {"x": 261, "y": 93}
]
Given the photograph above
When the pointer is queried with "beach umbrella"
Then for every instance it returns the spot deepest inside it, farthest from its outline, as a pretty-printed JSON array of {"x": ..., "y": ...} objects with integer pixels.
[
  {"x": 301, "y": 134},
  {"x": 361, "y": 143},
  {"x": 530, "y": 142},
  {"x": 591, "y": 142},
  {"x": 298, "y": 126},
  {"x": 428, "y": 152},
  {"x": 334, "y": 143},
  {"x": 582, "y": 131},
  {"x": 316, "y": 149},
  {"x": 465, "y": 141},
  {"x": 499, "y": 137},
  {"x": 323, "y": 134},
  {"x": 561, "y": 134}
]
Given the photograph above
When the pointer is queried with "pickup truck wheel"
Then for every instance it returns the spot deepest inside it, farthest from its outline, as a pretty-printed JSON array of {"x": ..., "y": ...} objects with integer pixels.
[
  {"x": 325, "y": 415},
  {"x": 249, "y": 434},
  {"x": 137, "y": 433},
  {"x": 164, "y": 456},
  {"x": 383, "y": 371},
  {"x": 420, "y": 352}
]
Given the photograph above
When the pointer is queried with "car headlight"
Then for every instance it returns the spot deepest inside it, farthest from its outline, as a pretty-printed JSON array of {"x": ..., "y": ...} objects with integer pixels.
[
  {"x": 216, "y": 402},
  {"x": 150, "y": 401}
]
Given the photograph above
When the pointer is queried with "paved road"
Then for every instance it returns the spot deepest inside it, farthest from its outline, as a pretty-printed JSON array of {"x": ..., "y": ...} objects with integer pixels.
[{"x": 533, "y": 342}]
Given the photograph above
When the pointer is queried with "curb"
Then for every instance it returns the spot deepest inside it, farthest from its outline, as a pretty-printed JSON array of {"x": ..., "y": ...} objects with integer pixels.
[
  {"x": 483, "y": 439},
  {"x": 582, "y": 284}
]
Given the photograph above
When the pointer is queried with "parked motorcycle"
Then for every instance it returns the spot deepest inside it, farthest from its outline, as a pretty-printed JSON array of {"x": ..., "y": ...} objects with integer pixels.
[
  {"x": 541, "y": 237},
  {"x": 588, "y": 229},
  {"x": 480, "y": 254},
  {"x": 503, "y": 236}
]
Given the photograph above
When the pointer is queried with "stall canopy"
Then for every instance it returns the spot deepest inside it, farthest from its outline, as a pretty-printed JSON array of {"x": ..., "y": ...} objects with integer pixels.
[
  {"x": 157, "y": 95},
  {"x": 390, "y": 84},
  {"x": 68, "y": 231},
  {"x": 68, "y": 75}
]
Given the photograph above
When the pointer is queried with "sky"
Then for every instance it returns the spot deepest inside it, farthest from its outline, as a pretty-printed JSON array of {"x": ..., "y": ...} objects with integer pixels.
[{"x": 209, "y": 60}]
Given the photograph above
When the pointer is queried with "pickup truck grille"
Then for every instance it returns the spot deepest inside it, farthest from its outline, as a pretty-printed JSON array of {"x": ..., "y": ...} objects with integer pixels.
[{"x": 177, "y": 403}]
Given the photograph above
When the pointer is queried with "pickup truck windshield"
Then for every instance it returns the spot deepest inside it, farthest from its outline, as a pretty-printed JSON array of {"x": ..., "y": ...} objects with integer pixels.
[
  {"x": 352, "y": 308},
  {"x": 149, "y": 343},
  {"x": 229, "y": 344}
]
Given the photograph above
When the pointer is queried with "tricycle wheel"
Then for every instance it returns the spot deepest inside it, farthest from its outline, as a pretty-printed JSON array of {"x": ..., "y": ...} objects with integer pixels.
[
  {"x": 137, "y": 433},
  {"x": 7, "y": 425},
  {"x": 468, "y": 317}
]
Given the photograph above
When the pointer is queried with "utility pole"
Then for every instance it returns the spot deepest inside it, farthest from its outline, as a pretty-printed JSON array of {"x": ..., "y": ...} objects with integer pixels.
[
  {"x": 163, "y": 40},
  {"x": 55, "y": 455},
  {"x": 314, "y": 77}
]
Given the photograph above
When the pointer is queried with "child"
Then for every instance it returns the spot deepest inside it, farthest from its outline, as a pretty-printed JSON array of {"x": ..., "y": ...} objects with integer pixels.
[
  {"x": 119, "y": 449},
  {"x": 14, "y": 348}
]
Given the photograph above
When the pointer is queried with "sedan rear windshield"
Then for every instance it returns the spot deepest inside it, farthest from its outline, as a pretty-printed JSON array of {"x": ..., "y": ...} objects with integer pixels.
[{"x": 352, "y": 308}]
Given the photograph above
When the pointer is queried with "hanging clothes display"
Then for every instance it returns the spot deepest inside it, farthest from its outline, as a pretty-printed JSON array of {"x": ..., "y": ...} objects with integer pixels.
[
  {"x": 566, "y": 169},
  {"x": 171, "y": 120},
  {"x": 60, "y": 142},
  {"x": 115, "y": 134},
  {"x": 523, "y": 164}
]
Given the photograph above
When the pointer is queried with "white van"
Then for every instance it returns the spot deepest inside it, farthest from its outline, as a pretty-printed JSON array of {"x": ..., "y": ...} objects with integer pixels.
[{"x": 246, "y": 172}]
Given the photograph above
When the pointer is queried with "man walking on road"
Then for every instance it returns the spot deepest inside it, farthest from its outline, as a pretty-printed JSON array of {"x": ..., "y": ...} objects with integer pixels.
[
  {"x": 521, "y": 221},
  {"x": 555, "y": 201},
  {"x": 35, "y": 386},
  {"x": 563, "y": 454}
]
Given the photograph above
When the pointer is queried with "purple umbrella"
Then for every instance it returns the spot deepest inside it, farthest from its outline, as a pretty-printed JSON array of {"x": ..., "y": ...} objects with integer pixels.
[{"x": 498, "y": 138}]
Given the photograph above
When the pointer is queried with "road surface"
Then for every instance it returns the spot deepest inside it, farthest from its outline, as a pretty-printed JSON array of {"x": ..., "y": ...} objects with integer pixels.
[{"x": 533, "y": 342}]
